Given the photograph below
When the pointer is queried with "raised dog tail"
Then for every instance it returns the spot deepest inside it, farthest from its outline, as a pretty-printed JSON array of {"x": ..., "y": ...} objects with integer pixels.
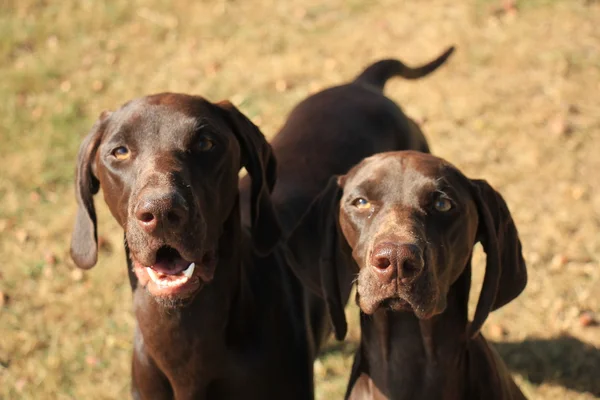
[{"x": 378, "y": 73}]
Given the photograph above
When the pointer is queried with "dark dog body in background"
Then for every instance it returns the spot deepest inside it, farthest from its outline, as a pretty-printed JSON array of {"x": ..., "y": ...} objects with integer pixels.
[
  {"x": 326, "y": 135},
  {"x": 214, "y": 320},
  {"x": 411, "y": 221}
]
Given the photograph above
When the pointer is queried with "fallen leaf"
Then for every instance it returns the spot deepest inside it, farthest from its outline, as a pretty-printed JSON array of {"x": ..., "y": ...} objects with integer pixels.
[
  {"x": 330, "y": 64},
  {"x": 319, "y": 368},
  {"x": 558, "y": 262},
  {"x": 281, "y": 85},
  {"x": 257, "y": 120},
  {"x": 20, "y": 384},
  {"x": 77, "y": 275},
  {"x": 36, "y": 113},
  {"x": 50, "y": 258},
  {"x": 52, "y": 42},
  {"x": 91, "y": 360},
  {"x": 559, "y": 126},
  {"x": 111, "y": 58},
  {"x": 97, "y": 85},
  {"x": 65, "y": 86},
  {"x": 300, "y": 12},
  {"x": 22, "y": 236},
  {"x": 47, "y": 272},
  {"x": 212, "y": 69},
  {"x": 534, "y": 257},
  {"x": 587, "y": 318},
  {"x": 497, "y": 331},
  {"x": 34, "y": 197},
  {"x": 577, "y": 192}
]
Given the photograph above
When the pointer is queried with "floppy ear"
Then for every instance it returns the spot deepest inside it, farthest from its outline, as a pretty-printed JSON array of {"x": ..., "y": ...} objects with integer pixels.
[
  {"x": 506, "y": 272},
  {"x": 318, "y": 233},
  {"x": 334, "y": 262},
  {"x": 84, "y": 242},
  {"x": 258, "y": 158}
]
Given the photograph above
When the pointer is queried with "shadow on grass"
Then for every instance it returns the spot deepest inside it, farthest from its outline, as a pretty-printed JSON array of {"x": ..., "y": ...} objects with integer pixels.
[{"x": 564, "y": 360}]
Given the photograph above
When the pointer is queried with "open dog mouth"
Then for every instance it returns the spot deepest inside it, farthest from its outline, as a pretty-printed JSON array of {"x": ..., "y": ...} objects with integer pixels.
[
  {"x": 170, "y": 269},
  {"x": 171, "y": 274}
]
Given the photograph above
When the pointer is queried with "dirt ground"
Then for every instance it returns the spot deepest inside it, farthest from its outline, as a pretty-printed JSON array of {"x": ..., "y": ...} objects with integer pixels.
[{"x": 517, "y": 105}]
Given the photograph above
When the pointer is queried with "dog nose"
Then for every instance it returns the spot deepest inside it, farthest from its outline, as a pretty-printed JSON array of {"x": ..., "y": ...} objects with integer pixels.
[
  {"x": 166, "y": 211},
  {"x": 390, "y": 260}
]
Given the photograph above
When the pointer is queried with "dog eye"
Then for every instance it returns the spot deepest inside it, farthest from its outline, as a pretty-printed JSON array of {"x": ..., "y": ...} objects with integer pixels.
[
  {"x": 204, "y": 144},
  {"x": 442, "y": 204},
  {"x": 361, "y": 203},
  {"x": 121, "y": 153}
]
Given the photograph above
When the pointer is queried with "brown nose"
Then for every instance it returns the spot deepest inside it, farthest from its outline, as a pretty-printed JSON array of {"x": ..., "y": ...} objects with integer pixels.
[
  {"x": 159, "y": 212},
  {"x": 390, "y": 261}
]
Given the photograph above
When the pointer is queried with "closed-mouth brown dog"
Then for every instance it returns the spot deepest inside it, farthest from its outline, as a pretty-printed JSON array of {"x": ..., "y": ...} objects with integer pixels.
[
  {"x": 325, "y": 135},
  {"x": 411, "y": 220},
  {"x": 211, "y": 324}
]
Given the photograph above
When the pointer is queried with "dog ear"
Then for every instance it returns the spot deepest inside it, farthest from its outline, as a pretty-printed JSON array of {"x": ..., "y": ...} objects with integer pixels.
[
  {"x": 84, "y": 242},
  {"x": 506, "y": 272},
  {"x": 334, "y": 260},
  {"x": 258, "y": 158},
  {"x": 318, "y": 233}
]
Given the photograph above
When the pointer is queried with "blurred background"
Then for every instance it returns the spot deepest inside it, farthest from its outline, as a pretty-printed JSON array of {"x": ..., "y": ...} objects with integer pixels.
[{"x": 517, "y": 105}]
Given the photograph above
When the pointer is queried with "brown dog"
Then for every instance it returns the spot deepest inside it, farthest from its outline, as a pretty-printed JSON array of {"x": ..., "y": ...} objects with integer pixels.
[
  {"x": 325, "y": 135},
  {"x": 214, "y": 320},
  {"x": 411, "y": 221}
]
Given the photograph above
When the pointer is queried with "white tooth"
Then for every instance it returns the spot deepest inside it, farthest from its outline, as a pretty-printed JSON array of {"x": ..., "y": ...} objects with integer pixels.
[
  {"x": 153, "y": 275},
  {"x": 189, "y": 270}
]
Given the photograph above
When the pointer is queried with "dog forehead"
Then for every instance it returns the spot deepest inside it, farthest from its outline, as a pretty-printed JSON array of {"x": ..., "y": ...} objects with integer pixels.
[
  {"x": 164, "y": 117},
  {"x": 408, "y": 178},
  {"x": 180, "y": 103},
  {"x": 394, "y": 170}
]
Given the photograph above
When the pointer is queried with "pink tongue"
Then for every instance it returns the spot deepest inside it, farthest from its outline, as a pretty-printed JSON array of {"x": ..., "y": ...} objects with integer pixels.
[{"x": 171, "y": 267}]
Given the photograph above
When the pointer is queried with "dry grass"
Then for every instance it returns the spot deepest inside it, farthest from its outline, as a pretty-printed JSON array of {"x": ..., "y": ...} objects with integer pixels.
[{"x": 517, "y": 105}]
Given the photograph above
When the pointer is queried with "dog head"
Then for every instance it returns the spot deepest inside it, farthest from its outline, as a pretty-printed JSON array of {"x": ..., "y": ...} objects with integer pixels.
[
  {"x": 411, "y": 221},
  {"x": 168, "y": 166}
]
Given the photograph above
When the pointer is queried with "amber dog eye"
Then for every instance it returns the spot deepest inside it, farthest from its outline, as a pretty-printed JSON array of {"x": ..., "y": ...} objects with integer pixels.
[
  {"x": 204, "y": 144},
  {"x": 121, "y": 153},
  {"x": 362, "y": 204},
  {"x": 442, "y": 204}
]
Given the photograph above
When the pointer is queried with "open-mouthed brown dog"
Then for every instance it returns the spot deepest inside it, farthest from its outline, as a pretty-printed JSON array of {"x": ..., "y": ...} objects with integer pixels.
[
  {"x": 214, "y": 320},
  {"x": 410, "y": 221},
  {"x": 326, "y": 135}
]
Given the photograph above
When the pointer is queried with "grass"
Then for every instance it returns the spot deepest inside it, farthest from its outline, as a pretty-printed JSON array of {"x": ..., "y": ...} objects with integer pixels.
[{"x": 517, "y": 105}]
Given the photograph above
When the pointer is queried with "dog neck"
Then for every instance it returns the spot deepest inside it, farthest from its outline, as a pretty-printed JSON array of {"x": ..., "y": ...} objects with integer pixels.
[{"x": 409, "y": 358}]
